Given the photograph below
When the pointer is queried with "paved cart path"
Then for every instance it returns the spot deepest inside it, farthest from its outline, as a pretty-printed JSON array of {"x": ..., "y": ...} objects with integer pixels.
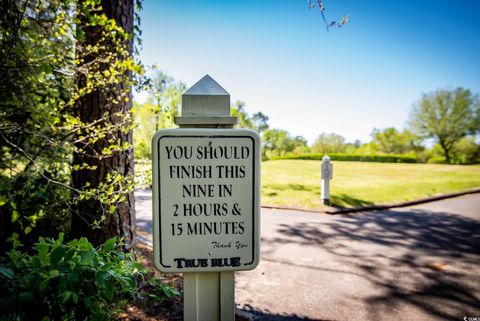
[{"x": 417, "y": 263}]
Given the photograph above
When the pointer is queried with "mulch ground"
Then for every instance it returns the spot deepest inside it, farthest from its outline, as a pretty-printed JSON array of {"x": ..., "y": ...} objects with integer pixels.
[{"x": 146, "y": 309}]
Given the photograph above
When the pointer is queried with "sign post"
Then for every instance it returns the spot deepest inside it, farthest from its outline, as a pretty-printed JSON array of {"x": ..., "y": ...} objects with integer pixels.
[
  {"x": 206, "y": 201},
  {"x": 327, "y": 175}
]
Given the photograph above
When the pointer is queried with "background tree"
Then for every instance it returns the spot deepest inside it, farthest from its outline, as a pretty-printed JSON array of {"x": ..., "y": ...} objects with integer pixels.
[
  {"x": 466, "y": 151},
  {"x": 244, "y": 120},
  {"x": 157, "y": 112},
  {"x": 166, "y": 93},
  {"x": 276, "y": 142},
  {"x": 279, "y": 142},
  {"x": 329, "y": 143},
  {"x": 60, "y": 60},
  {"x": 36, "y": 68},
  {"x": 447, "y": 116},
  {"x": 392, "y": 141},
  {"x": 300, "y": 145},
  {"x": 260, "y": 122}
]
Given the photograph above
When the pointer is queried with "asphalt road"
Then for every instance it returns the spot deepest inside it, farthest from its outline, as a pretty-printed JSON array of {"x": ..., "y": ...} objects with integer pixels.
[{"x": 416, "y": 263}]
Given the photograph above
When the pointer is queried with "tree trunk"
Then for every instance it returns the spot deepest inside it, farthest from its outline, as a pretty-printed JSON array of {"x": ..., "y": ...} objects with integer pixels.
[
  {"x": 91, "y": 108},
  {"x": 446, "y": 151}
]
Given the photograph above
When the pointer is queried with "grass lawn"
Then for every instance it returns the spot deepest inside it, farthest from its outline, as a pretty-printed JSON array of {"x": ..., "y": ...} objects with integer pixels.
[{"x": 297, "y": 182}]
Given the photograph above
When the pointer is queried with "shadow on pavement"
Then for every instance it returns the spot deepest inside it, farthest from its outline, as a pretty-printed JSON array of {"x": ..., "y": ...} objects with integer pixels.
[
  {"x": 253, "y": 314},
  {"x": 410, "y": 261},
  {"x": 145, "y": 225}
]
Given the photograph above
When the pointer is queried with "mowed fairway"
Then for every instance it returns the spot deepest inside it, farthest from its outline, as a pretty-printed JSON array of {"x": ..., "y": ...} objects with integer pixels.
[{"x": 297, "y": 182}]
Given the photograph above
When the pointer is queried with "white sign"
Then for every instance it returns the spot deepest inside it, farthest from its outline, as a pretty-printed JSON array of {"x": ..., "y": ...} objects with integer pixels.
[
  {"x": 327, "y": 170},
  {"x": 206, "y": 201}
]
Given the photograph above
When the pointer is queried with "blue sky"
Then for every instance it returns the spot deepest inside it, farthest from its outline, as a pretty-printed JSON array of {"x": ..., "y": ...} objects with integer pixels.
[{"x": 277, "y": 57}]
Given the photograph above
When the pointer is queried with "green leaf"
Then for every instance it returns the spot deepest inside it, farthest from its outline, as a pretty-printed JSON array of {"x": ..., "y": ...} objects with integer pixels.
[
  {"x": 6, "y": 272},
  {"x": 26, "y": 297},
  {"x": 75, "y": 297},
  {"x": 109, "y": 290},
  {"x": 66, "y": 296},
  {"x": 110, "y": 244},
  {"x": 57, "y": 255},
  {"x": 44, "y": 284},
  {"x": 73, "y": 279},
  {"x": 101, "y": 276},
  {"x": 168, "y": 291},
  {"x": 84, "y": 244},
  {"x": 3, "y": 200},
  {"x": 15, "y": 216},
  {"x": 87, "y": 258},
  {"x": 61, "y": 236},
  {"x": 42, "y": 249},
  {"x": 121, "y": 256},
  {"x": 68, "y": 256},
  {"x": 100, "y": 316},
  {"x": 53, "y": 273},
  {"x": 131, "y": 281}
]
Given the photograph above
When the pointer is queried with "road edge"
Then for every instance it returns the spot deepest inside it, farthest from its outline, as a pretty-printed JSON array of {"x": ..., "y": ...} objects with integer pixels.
[{"x": 375, "y": 207}]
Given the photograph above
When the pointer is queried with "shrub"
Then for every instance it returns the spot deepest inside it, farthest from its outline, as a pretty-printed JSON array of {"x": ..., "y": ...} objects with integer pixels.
[
  {"x": 437, "y": 160},
  {"x": 355, "y": 157},
  {"x": 72, "y": 281}
]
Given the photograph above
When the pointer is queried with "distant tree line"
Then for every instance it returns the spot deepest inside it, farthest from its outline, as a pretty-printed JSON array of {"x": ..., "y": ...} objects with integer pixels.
[{"x": 447, "y": 119}]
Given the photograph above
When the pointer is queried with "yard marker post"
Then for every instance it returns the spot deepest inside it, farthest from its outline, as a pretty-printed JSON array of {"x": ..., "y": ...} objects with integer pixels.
[
  {"x": 206, "y": 201},
  {"x": 327, "y": 175}
]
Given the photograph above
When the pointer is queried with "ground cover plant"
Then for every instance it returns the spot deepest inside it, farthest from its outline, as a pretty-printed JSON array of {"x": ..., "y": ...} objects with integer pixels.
[{"x": 75, "y": 281}]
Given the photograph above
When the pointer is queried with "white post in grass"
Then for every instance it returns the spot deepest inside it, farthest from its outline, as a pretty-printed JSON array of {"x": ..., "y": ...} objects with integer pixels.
[
  {"x": 327, "y": 175},
  {"x": 206, "y": 201}
]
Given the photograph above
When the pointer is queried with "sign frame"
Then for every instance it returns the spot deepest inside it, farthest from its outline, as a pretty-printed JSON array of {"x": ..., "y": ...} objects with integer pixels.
[{"x": 159, "y": 240}]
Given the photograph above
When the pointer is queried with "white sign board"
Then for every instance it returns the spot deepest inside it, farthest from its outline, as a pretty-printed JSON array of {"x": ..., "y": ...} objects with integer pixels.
[
  {"x": 327, "y": 170},
  {"x": 206, "y": 199}
]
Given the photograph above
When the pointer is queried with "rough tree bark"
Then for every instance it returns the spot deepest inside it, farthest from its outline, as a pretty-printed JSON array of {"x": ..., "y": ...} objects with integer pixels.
[{"x": 88, "y": 109}]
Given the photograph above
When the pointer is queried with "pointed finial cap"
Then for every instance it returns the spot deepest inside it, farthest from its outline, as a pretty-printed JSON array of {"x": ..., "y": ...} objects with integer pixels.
[
  {"x": 206, "y": 103},
  {"x": 206, "y": 86},
  {"x": 206, "y": 99}
]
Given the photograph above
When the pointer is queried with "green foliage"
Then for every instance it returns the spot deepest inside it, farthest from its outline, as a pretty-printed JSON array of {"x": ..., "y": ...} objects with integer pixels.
[
  {"x": 437, "y": 160},
  {"x": 42, "y": 55},
  {"x": 157, "y": 112},
  {"x": 466, "y": 151},
  {"x": 68, "y": 281},
  {"x": 36, "y": 64},
  {"x": 447, "y": 116},
  {"x": 369, "y": 148},
  {"x": 260, "y": 122},
  {"x": 279, "y": 142},
  {"x": 244, "y": 120},
  {"x": 354, "y": 157},
  {"x": 392, "y": 141},
  {"x": 329, "y": 143},
  {"x": 143, "y": 173}
]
